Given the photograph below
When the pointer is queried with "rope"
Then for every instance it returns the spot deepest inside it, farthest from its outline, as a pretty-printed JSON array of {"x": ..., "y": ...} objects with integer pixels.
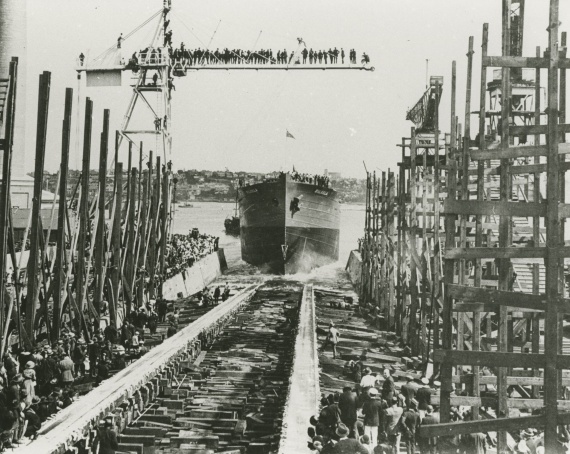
[
  {"x": 212, "y": 39},
  {"x": 200, "y": 41},
  {"x": 128, "y": 35}
]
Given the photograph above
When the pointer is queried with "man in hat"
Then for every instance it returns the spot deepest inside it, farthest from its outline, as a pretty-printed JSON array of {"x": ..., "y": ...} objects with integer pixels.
[
  {"x": 391, "y": 418},
  {"x": 423, "y": 396},
  {"x": 33, "y": 420},
  {"x": 371, "y": 410},
  {"x": 388, "y": 387},
  {"x": 428, "y": 444},
  {"x": 410, "y": 423},
  {"x": 66, "y": 367},
  {"x": 152, "y": 322},
  {"x": 94, "y": 351},
  {"x": 348, "y": 407},
  {"x": 346, "y": 445},
  {"x": 106, "y": 439},
  {"x": 333, "y": 336},
  {"x": 367, "y": 381},
  {"x": 142, "y": 348},
  {"x": 111, "y": 333},
  {"x": 79, "y": 355},
  {"x": 408, "y": 390}
]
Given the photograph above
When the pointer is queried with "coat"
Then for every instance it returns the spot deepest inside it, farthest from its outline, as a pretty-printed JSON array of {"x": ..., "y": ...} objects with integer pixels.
[
  {"x": 66, "y": 369},
  {"x": 348, "y": 407}
]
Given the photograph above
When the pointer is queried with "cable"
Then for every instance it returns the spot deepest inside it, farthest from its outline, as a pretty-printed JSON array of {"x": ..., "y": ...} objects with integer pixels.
[{"x": 128, "y": 35}]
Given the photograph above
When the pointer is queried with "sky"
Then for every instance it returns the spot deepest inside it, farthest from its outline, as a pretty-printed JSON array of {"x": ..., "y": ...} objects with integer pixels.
[{"x": 239, "y": 119}]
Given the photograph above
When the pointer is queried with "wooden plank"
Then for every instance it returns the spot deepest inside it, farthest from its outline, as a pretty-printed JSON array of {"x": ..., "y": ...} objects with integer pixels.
[
  {"x": 514, "y": 62},
  {"x": 536, "y": 129},
  {"x": 496, "y": 208},
  {"x": 492, "y": 359},
  {"x": 498, "y": 252},
  {"x": 500, "y": 297},
  {"x": 489, "y": 425},
  {"x": 487, "y": 307},
  {"x": 522, "y": 404},
  {"x": 508, "y": 153}
]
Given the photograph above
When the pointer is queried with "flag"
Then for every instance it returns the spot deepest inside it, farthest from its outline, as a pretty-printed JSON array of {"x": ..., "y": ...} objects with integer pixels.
[{"x": 288, "y": 134}]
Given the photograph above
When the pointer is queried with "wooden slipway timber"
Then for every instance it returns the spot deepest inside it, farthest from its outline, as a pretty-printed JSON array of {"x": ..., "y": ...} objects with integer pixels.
[{"x": 74, "y": 422}]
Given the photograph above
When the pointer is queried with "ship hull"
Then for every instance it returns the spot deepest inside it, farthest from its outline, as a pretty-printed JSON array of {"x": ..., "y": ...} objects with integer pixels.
[{"x": 287, "y": 226}]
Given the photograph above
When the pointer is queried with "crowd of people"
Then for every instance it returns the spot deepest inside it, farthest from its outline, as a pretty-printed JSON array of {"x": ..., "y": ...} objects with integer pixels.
[
  {"x": 375, "y": 415},
  {"x": 37, "y": 384},
  {"x": 319, "y": 180},
  {"x": 182, "y": 57},
  {"x": 184, "y": 250},
  {"x": 196, "y": 57}
]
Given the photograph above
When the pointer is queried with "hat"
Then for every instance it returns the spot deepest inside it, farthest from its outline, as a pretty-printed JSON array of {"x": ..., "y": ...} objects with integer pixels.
[
  {"x": 60, "y": 341},
  {"x": 437, "y": 384},
  {"x": 141, "y": 341},
  {"x": 314, "y": 420},
  {"x": 342, "y": 430},
  {"x": 409, "y": 377},
  {"x": 30, "y": 365},
  {"x": 36, "y": 400},
  {"x": 373, "y": 391},
  {"x": 81, "y": 342},
  {"x": 28, "y": 373},
  {"x": 424, "y": 380},
  {"x": 367, "y": 370},
  {"x": 17, "y": 378},
  {"x": 365, "y": 439}
]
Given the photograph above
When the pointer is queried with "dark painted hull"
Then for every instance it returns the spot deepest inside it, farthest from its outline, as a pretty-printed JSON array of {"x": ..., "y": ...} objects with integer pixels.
[{"x": 281, "y": 239}]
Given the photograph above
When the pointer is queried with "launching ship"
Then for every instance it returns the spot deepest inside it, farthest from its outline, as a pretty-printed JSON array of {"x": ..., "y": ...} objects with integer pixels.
[{"x": 288, "y": 226}]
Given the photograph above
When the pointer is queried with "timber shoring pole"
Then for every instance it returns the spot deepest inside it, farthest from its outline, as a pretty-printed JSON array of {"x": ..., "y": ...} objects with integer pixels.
[
  {"x": 5, "y": 208},
  {"x": 116, "y": 275},
  {"x": 153, "y": 231},
  {"x": 505, "y": 227},
  {"x": 480, "y": 197},
  {"x": 80, "y": 275},
  {"x": 100, "y": 246},
  {"x": 553, "y": 243},
  {"x": 33, "y": 265},
  {"x": 131, "y": 264},
  {"x": 535, "y": 324},
  {"x": 476, "y": 328},
  {"x": 448, "y": 275},
  {"x": 164, "y": 225},
  {"x": 61, "y": 255},
  {"x": 412, "y": 323},
  {"x": 390, "y": 249}
]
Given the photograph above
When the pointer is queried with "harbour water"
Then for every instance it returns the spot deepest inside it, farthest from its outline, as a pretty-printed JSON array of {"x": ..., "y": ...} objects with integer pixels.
[{"x": 209, "y": 218}]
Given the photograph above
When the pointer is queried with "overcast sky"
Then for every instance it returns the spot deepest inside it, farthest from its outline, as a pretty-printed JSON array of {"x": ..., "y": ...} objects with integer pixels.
[{"x": 238, "y": 119}]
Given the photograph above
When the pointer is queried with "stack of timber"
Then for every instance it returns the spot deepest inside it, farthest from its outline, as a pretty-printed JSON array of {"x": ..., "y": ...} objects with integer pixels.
[
  {"x": 230, "y": 398},
  {"x": 464, "y": 249}
]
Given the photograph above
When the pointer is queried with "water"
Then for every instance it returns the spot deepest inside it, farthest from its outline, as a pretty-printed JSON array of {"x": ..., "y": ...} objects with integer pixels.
[{"x": 209, "y": 218}]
